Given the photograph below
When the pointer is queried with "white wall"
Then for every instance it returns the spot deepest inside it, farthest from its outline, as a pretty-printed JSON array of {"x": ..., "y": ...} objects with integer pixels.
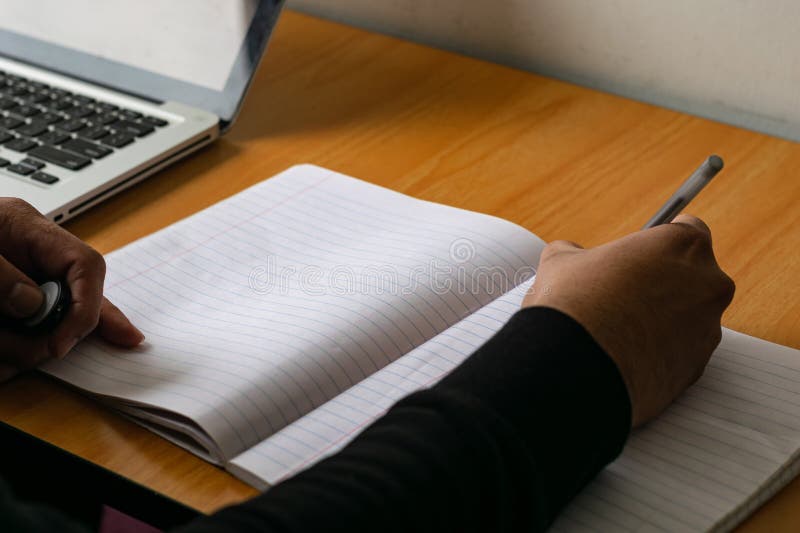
[{"x": 736, "y": 61}]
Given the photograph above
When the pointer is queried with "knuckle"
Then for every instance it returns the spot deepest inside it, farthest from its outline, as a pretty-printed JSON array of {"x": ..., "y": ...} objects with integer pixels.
[
  {"x": 90, "y": 261},
  {"x": 557, "y": 247},
  {"x": 730, "y": 285},
  {"x": 727, "y": 288},
  {"x": 687, "y": 235},
  {"x": 97, "y": 260},
  {"x": 691, "y": 242},
  {"x": 16, "y": 211},
  {"x": 15, "y": 204}
]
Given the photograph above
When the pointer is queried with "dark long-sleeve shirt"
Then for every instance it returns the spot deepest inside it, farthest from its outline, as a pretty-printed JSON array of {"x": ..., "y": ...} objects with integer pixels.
[{"x": 501, "y": 444}]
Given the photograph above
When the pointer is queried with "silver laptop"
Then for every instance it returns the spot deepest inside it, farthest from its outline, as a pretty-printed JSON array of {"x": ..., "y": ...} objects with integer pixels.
[{"x": 96, "y": 95}]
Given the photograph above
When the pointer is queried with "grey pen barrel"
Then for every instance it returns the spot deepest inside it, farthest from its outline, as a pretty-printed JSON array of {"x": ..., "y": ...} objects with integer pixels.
[{"x": 687, "y": 191}]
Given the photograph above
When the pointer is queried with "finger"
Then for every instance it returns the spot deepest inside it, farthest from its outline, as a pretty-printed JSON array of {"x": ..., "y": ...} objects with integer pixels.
[
  {"x": 115, "y": 327},
  {"x": 20, "y": 297},
  {"x": 85, "y": 274},
  {"x": 692, "y": 221},
  {"x": 559, "y": 247}
]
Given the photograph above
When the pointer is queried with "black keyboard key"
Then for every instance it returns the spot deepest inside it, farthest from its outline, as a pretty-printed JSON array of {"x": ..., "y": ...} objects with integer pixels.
[
  {"x": 44, "y": 177},
  {"x": 155, "y": 121},
  {"x": 50, "y": 118},
  {"x": 61, "y": 158},
  {"x": 16, "y": 90},
  {"x": 79, "y": 112},
  {"x": 94, "y": 132},
  {"x": 26, "y": 110},
  {"x": 54, "y": 137},
  {"x": 72, "y": 125},
  {"x": 136, "y": 128},
  {"x": 117, "y": 140},
  {"x": 60, "y": 93},
  {"x": 104, "y": 119},
  {"x": 36, "y": 165},
  {"x": 7, "y": 103},
  {"x": 131, "y": 115},
  {"x": 5, "y": 136},
  {"x": 83, "y": 99},
  {"x": 10, "y": 123},
  {"x": 20, "y": 144},
  {"x": 60, "y": 104},
  {"x": 19, "y": 168},
  {"x": 38, "y": 86},
  {"x": 36, "y": 98},
  {"x": 105, "y": 107},
  {"x": 4, "y": 162},
  {"x": 33, "y": 128},
  {"x": 85, "y": 148}
]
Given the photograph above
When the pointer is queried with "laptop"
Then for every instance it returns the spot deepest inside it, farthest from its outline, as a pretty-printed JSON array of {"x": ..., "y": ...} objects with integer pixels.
[{"x": 97, "y": 95}]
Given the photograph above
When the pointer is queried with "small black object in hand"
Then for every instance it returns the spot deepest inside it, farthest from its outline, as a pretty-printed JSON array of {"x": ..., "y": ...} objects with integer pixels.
[{"x": 57, "y": 298}]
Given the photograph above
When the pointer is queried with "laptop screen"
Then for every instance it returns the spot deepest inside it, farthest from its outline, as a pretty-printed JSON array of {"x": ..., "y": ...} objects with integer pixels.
[{"x": 199, "y": 52}]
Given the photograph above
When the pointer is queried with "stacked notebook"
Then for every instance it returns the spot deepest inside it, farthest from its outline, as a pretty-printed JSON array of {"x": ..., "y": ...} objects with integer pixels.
[{"x": 283, "y": 320}]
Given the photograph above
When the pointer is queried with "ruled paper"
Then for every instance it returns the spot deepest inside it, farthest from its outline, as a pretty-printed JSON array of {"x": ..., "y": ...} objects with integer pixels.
[
  {"x": 268, "y": 304},
  {"x": 331, "y": 426},
  {"x": 720, "y": 451},
  {"x": 724, "y": 448}
]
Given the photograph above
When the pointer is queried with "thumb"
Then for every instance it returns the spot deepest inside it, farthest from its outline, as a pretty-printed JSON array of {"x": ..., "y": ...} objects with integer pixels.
[
  {"x": 560, "y": 247},
  {"x": 564, "y": 245},
  {"x": 20, "y": 297}
]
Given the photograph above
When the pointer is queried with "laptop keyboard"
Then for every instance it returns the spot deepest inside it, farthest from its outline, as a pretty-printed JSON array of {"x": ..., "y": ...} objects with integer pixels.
[{"x": 54, "y": 129}]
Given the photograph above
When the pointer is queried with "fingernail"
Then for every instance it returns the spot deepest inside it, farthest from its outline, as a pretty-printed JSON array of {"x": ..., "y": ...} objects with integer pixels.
[
  {"x": 25, "y": 299},
  {"x": 65, "y": 347}
]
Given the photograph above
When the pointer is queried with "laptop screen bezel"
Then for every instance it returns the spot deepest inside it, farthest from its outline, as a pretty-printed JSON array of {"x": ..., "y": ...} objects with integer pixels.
[{"x": 148, "y": 84}]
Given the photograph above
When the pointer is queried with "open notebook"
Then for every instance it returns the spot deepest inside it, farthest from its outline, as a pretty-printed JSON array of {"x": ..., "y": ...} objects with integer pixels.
[{"x": 284, "y": 319}]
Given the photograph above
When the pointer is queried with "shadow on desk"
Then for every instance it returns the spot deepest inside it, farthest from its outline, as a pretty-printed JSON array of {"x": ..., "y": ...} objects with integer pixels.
[
  {"x": 42, "y": 473},
  {"x": 176, "y": 177},
  {"x": 320, "y": 82}
]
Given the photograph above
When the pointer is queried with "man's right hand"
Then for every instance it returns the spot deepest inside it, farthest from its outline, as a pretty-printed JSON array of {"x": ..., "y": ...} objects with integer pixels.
[{"x": 653, "y": 300}]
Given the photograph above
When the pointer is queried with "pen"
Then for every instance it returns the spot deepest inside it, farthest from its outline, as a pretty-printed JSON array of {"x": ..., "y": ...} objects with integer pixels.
[{"x": 687, "y": 191}]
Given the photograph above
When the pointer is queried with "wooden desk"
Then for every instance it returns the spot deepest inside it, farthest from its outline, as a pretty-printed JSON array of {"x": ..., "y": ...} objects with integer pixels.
[{"x": 563, "y": 161}]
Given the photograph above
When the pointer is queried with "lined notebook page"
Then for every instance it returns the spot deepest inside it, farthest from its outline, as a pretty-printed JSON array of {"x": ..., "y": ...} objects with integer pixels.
[
  {"x": 727, "y": 445},
  {"x": 270, "y": 303},
  {"x": 723, "y": 449},
  {"x": 331, "y": 426}
]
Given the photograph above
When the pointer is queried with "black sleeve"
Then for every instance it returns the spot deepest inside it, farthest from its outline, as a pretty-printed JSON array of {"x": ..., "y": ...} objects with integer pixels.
[
  {"x": 501, "y": 444},
  {"x": 23, "y": 517}
]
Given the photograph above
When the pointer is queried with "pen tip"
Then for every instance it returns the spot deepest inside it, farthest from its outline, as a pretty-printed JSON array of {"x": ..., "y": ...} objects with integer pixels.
[{"x": 715, "y": 162}]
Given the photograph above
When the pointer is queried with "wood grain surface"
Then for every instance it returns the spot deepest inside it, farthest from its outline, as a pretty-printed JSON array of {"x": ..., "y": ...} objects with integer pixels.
[{"x": 563, "y": 161}]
